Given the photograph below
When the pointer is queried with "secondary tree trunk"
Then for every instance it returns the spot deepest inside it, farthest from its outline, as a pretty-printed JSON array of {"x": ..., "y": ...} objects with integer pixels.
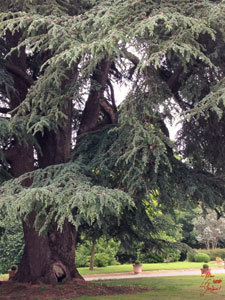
[{"x": 92, "y": 260}]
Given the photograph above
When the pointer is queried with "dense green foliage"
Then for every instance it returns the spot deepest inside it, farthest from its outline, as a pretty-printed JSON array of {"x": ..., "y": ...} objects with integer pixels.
[
  {"x": 11, "y": 246},
  {"x": 191, "y": 256},
  {"x": 105, "y": 253},
  {"x": 71, "y": 54},
  {"x": 202, "y": 257},
  {"x": 185, "y": 219},
  {"x": 65, "y": 190},
  {"x": 168, "y": 255}
]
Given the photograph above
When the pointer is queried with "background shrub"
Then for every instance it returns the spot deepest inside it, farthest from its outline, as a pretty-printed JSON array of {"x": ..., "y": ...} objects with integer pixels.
[
  {"x": 101, "y": 260},
  {"x": 82, "y": 258},
  {"x": 151, "y": 257},
  {"x": 213, "y": 253},
  {"x": 172, "y": 255},
  {"x": 169, "y": 255},
  {"x": 191, "y": 256},
  {"x": 11, "y": 247},
  {"x": 202, "y": 257},
  {"x": 105, "y": 253}
]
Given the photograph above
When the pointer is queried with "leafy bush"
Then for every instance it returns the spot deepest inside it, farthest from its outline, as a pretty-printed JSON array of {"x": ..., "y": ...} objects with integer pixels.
[
  {"x": 191, "y": 256},
  {"x": 151, "y": 257},
  {"x": 105, "y": 253},
  {"x": 169, "y": 255},
  {"x": 202, "y": 257},
  {"x": 172, "y": 255},
  {"x": 82, "y": 258},
  {"x": 102, "y": 260},
  {"x": 11, "y": 247},
  {"x": 109, "y": 247}
]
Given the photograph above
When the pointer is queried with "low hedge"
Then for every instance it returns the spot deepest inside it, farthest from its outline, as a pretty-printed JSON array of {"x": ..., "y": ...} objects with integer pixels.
[{"x": 213, "y": 253}]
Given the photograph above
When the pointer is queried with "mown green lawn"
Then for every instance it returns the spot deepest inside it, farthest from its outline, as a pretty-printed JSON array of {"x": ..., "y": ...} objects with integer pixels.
[
  {"x": 147, "y": 267},
  {"x": 165, "y": 288},
  {"x": 168, "y": 288}
]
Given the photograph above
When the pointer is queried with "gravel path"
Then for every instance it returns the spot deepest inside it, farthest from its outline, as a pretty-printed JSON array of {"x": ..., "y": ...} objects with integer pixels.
[{"x": 144, "y": 274}]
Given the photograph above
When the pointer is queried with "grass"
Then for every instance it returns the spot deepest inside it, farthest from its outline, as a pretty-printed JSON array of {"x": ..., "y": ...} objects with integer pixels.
[
  {"x": 167, "y": 288},
  {"x": 162, "y": 288},
  {"x": 146, "y": 267}
]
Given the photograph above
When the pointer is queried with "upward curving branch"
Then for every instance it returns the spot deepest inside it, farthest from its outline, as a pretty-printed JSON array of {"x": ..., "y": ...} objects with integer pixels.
[
  {"x": 90, "y": 116},
  {"x": 15, "y": 70}
]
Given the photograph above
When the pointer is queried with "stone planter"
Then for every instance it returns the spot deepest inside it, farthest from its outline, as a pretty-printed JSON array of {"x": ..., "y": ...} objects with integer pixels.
[
  {"x": 220, "y": 262},
  {"x": 205, "y": 271},
  {"x": 137, "y": 268},
  {"x": 11, "y": 273}
]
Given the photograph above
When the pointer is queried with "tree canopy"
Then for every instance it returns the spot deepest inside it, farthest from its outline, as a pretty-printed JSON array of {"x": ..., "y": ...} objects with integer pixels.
[{"x": 74, "y": 155}]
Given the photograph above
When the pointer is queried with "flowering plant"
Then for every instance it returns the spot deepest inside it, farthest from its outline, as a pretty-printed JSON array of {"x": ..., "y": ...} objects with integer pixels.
[{"x": 219, "y": 258}]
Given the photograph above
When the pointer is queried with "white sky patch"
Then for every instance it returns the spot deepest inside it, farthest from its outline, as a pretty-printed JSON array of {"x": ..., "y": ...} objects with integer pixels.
[{"x": 121, "y": 93}]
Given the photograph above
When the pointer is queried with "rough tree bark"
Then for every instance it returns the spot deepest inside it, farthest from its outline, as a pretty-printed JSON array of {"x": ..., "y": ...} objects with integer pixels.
[
  {"x": 50, "y": 258},
  {"x": 55, "y": 252},
  {"x": 90, "y": 116},
  {"x": 47, "y": 258}
]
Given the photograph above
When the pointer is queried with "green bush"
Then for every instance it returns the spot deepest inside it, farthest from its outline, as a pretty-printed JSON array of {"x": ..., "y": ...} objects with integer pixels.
[
  {"x": 191, "y": 256},
  {"x": 82, "y": 258},
  {"x": 102, "y": 260},
  {"x": 169, "y": 255},
  {"x": 172, "y": 255},
  {"x": 11, "y": 247},
  {"x": 151, "y": 257},
  {"x": 105, "y": 248},
  {"x": 202, "y": 257},
  {"x": 213, "y": 253}
]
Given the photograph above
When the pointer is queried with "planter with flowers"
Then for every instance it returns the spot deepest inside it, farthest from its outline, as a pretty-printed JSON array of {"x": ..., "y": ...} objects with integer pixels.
[
  {"x": 205, "y": 269},
  {"x": 219, "y": 260}
]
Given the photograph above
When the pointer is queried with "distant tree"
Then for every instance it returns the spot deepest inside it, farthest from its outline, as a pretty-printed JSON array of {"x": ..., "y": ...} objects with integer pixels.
[{"x": 209, "y": 229}]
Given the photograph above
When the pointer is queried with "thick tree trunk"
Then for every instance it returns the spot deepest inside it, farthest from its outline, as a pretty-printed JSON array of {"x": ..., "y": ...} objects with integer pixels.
[{"x": 48, "y": 258}]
